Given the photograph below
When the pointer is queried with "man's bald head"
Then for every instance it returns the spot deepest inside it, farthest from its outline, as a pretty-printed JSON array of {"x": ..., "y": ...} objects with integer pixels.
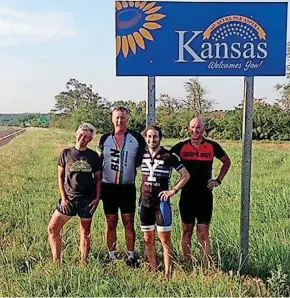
[
  {"x": 196, "y": 128},
  {"x": 196, "y": 121}
]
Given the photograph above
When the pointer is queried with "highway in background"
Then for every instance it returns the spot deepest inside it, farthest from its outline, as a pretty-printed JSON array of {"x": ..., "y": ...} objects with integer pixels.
[{"x": 6, "y": 135}]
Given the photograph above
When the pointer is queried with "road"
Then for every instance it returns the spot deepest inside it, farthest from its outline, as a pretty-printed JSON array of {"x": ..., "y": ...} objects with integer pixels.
[{"x": 6, "y": 135}]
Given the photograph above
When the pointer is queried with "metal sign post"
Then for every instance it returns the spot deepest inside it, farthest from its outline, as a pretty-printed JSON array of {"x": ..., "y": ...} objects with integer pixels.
[
  {"x": 150, "y": 105},
  {"x": 246, "y": 171}
]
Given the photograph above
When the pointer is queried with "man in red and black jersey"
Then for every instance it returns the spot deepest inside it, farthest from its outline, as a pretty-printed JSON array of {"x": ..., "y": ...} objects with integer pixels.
[{"x": 196, "y": 199}]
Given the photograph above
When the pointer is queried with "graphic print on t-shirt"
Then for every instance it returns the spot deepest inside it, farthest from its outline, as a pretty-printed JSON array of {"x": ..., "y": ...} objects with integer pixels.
[{"x": 80, "y": 166}]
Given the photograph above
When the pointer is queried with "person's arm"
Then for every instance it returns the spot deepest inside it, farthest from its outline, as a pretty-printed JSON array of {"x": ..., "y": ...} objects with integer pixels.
[
  {"x": 184, "y": 177},
  {"x": 100, "y": 147},
  {"x": 140, "y": 151},
  {"x": 64, "y": 200},
  {"x": 226, "y": 163},
  {"x": 95, "y": 202},
  {"x": 100, "y": 153},
  {"x": 175, "y": 162}
]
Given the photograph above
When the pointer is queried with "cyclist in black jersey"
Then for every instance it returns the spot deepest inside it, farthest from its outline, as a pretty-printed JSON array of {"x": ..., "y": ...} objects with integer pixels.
[
  {"x": 121, "y": 151},
  {"x": 154, "y": 206}
]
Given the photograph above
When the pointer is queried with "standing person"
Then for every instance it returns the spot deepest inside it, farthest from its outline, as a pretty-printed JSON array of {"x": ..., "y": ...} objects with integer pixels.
[
  {"x": 121, "y": 151},
  {"x": 196, "y": 199},
  {"x": 155, "y": 208},
  {"x": 79, "y": 181}
]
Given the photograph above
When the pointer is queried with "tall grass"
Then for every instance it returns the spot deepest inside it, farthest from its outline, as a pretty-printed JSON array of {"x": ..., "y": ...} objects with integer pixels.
[{"x": 28, "y": 195}]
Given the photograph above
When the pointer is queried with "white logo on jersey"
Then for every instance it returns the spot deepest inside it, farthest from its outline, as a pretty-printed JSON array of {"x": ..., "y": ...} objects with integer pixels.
[{"x": 151, "y": 168}]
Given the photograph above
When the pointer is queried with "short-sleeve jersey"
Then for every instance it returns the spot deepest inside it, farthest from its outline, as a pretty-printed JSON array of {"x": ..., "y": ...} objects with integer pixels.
[
  {"x": 198, "y": 161},
  {"x": 80, "y": 168},
  {"x": 119, "y": 164},
  {"x": 156, "y": 172}
]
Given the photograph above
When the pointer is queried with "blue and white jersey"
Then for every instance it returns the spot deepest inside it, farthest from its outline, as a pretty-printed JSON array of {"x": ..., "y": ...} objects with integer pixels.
[{"x": 119, "y": 164}]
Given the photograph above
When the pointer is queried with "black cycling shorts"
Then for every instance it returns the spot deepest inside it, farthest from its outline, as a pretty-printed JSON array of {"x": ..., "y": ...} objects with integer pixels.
[
  {"x": 78, "y": 206},
  {"x": 118, "y": 196},
  {"x": 196, "y": 206},
  {"x": 151, "y": 215}
]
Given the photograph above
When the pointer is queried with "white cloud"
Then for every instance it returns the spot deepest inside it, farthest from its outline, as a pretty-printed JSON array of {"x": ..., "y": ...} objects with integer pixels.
[{"x": 19, "y": 27}]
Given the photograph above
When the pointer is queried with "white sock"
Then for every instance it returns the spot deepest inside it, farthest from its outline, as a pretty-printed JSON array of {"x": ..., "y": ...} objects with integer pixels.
[
  {"x": 130, "y": 254},
  {"x": 113, "y": 255}
]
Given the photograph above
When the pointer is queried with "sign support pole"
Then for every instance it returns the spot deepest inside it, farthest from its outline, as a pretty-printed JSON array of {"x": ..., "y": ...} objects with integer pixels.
[
  {"x": 150, "y": 104},
  {"x": 246, "y": 172}
]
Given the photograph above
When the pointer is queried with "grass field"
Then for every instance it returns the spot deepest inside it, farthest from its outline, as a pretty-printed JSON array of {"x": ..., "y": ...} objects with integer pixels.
[{"x": 28, "y": 194}]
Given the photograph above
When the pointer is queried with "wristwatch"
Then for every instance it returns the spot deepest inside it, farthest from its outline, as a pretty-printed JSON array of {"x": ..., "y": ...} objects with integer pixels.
[{"x": 218, "y": 181}]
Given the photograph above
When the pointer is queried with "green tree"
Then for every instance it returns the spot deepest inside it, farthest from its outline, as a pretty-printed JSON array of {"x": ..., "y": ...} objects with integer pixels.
[
  {"x": 270, "y": 122},
  {"x": 79, "y": 103},
  {"x": 284, "y": 89},
  {"x": 169, "y": 104},
  {"x": 77, "y": 95},
  {"x": 99, "y": 116},
  {"x": 196, "y": 98},
  {"x": 137, "y": 119}
]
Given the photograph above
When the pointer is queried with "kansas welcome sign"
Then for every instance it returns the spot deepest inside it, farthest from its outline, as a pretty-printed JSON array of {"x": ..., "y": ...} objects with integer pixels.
[{"x": 201, "y": 39}]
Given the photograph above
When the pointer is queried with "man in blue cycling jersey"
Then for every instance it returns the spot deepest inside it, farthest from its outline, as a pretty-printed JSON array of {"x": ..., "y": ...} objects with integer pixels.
[
  {"x": 121, "y": 151},
  {"x": 155, "y": 209}
]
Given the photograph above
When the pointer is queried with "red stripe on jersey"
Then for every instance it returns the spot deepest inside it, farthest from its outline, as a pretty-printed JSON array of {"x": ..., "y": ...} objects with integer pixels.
[{"x": 204, "y": 152}]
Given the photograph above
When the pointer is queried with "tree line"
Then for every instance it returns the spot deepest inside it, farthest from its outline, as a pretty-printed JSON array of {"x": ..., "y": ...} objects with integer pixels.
[
  {"x": 80, "y": 103},
  {"x": 25, "y": 120}
]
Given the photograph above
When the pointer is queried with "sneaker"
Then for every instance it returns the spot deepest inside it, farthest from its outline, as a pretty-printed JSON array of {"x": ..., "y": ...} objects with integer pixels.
[
  {"x": 131, "y": 262},
  {"x": 109, "y": 260},
  {"x": 112, "y": 260}
]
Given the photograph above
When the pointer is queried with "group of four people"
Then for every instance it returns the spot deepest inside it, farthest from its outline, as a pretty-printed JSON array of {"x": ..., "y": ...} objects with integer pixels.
[{"x": 85, "y": 177}]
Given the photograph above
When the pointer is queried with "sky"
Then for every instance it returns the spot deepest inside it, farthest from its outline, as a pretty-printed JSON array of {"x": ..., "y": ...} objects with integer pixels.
[{"x": 45, "y": 43}]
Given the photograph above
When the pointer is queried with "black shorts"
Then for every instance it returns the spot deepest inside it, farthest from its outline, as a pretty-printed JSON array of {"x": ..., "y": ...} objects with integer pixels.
[
  {"x": 79, "y": 206},
  {"x": 196, "y": 206},
  {"x": 115, "y": 196},
  {"x": 160, "y": 215}
]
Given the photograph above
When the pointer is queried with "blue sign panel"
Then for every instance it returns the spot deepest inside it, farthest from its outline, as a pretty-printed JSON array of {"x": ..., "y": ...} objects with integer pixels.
[{"x": 200, "y": 39}]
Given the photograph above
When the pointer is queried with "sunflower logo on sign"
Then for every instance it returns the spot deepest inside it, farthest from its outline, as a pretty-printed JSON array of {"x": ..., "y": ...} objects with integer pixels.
[{"x": 135, "y": 21}]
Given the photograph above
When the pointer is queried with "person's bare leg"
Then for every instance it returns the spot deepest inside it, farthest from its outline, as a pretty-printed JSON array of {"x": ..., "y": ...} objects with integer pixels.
[
  {"x": 56, "y": 223},
  {"x": 85, "y": 229},
  {"x": 187, "y": 230},
  {"x": 150, "y": 249},
  {"x": 204, "y": 242},
  {"x": 111, "y": 231},
  {"x": 128, "y": 222},
  {"x": 167, "y": 252}
]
